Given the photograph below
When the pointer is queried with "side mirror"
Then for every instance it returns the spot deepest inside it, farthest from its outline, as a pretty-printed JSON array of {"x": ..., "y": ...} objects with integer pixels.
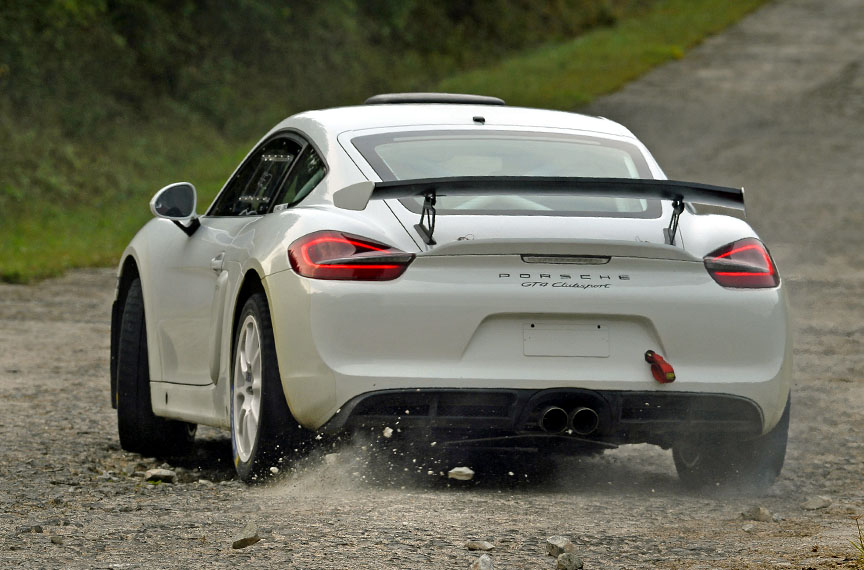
[{"x": 177, "y": 202}]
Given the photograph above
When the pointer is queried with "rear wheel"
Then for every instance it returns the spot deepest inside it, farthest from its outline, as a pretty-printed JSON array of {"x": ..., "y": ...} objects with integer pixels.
[
  {"x": 710, "y": 463},
  {"x": 140, "y": 430},
  {"x": 263, "y": 431}
]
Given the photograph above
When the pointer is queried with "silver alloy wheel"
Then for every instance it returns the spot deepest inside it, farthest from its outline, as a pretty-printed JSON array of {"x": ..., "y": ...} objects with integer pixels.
[{"x": 246, "y": 393}]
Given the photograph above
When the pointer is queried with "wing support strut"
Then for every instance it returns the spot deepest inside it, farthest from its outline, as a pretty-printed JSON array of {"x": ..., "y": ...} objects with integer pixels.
[
  {"x": 426, "y": 227},
  {"x": 669, "y": 233}
]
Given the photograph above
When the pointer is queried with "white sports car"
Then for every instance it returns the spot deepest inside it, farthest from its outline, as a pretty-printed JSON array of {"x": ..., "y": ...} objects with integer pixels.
[{"x": 462, "y": 272}]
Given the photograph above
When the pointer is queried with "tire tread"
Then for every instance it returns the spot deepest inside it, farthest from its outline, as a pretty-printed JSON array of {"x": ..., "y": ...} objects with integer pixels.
[{"x": 139, "y": 429}]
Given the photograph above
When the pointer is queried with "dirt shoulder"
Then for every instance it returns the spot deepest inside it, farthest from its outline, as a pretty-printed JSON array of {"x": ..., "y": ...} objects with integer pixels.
[{"x": 773, "y": 104}]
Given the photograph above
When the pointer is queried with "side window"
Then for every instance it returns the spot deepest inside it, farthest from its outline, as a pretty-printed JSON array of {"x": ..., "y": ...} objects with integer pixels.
[
  {"x": 305, "y": 175},
  {"x": 251, "y": 190}
]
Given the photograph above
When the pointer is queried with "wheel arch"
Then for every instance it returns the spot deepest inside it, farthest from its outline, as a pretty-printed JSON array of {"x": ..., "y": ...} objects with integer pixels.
[{"x": 250, "y": 284}]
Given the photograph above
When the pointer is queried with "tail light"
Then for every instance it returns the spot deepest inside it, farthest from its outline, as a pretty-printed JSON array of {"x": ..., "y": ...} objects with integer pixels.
[
  {"x": 745, "y": 263},
  {"x": 337, "y": 255}
]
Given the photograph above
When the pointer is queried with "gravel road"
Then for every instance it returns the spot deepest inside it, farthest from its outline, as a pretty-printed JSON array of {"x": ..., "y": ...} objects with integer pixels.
[{"x": 774, "y": 104}]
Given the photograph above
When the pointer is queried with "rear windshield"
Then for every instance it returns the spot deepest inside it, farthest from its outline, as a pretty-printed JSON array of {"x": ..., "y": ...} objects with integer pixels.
[{"x": 436, "y": 154}]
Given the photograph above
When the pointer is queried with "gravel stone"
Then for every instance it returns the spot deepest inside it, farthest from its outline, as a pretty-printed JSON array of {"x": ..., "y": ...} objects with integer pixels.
[
  {"x": 558, "y": 545},
  {"x": 568, "y": 561},
  {"x": 757, "y": 513},
  {"x": 482, "y": 563},
  {"x": 479, "y": 545},
  {"x": 161, "y": 475},
  {"x": 461, "y": 473},
  {"x": 815, "y": 503},
  {"x": 247, "y": 537}
]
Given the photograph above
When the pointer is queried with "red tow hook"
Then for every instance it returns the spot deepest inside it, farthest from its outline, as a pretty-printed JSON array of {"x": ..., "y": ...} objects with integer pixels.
[{"x": 662, "y": 370}]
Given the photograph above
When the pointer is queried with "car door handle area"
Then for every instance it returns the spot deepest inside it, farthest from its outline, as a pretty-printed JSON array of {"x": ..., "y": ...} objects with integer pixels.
[{"x": 216, "y": 262}]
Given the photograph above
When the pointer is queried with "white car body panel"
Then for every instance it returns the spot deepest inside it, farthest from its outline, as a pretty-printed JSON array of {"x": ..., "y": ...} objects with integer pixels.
[{"x": 452, "y": 320}]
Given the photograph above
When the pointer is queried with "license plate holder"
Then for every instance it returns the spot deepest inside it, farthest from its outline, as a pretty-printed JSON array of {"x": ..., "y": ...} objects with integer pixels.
[{"x": 554, "y": 339}]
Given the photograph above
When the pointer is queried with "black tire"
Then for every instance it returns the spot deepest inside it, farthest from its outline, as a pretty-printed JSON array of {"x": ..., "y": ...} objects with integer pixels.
[
  {"x": 277, "y": 434},
  {"x": 140, "y": 430},
  {"x": 754, "y": 463}
]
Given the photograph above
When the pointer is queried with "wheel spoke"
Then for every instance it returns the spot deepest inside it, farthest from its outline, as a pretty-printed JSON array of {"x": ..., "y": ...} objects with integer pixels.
[
  {"x": 251, "y": 341},
  {"x": 242, "y": 361},
  {"x": 239, "y": 427},
  {"x": 255, "y": 361},
  {"x": 251, "y": 426},
  {"x": 253, "y": 415}
]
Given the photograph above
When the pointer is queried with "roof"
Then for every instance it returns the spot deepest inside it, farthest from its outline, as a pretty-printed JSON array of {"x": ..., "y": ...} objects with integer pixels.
[{"x": 340, "y": 119}]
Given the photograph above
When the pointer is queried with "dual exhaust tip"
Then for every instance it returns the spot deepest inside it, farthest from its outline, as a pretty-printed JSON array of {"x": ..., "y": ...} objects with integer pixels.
[{"x": 581, "y": 420}]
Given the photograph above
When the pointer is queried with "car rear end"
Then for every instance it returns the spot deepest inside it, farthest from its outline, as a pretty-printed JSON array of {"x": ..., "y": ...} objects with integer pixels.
[{"x": 532, "y": 321}]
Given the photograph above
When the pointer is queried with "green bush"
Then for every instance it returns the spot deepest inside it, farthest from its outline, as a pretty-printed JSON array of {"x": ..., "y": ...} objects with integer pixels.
[
  {"x": 85, "y": 82},
  {"x": 104, "y": 101}
]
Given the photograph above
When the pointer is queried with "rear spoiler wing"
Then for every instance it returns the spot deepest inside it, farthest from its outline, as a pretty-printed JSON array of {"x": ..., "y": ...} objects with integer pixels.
[{"x": 357, "y": 196}]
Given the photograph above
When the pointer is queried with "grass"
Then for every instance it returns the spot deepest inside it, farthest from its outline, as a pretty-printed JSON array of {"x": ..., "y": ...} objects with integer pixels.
[
  {"x": 859, "y": 542},
  {"x": 567, "y": 75},
  {"x": 40, "y": 240},
  {"x": 35, "y": 244}
]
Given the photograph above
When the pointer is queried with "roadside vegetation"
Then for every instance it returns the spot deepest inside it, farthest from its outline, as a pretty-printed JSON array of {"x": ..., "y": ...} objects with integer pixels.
[
  {"x": 102, "y": 103},
  {"x": 568, "y": 74},
  {"x": 858, "y": 543}
]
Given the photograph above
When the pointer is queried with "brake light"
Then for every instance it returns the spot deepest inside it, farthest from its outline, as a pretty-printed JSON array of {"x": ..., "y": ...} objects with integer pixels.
[
  {"x": 745, "y": 263},
  {"x": 336, "y": 255}
]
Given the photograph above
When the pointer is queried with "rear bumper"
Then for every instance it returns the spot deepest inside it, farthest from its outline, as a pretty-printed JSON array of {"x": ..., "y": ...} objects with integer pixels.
[
  {"x": 341, "y": 343},
  {"x": 500, "y": 415}
]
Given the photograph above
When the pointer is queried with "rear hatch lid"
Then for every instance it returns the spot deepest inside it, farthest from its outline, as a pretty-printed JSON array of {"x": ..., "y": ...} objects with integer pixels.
[{"x": 447, "y": 183}]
